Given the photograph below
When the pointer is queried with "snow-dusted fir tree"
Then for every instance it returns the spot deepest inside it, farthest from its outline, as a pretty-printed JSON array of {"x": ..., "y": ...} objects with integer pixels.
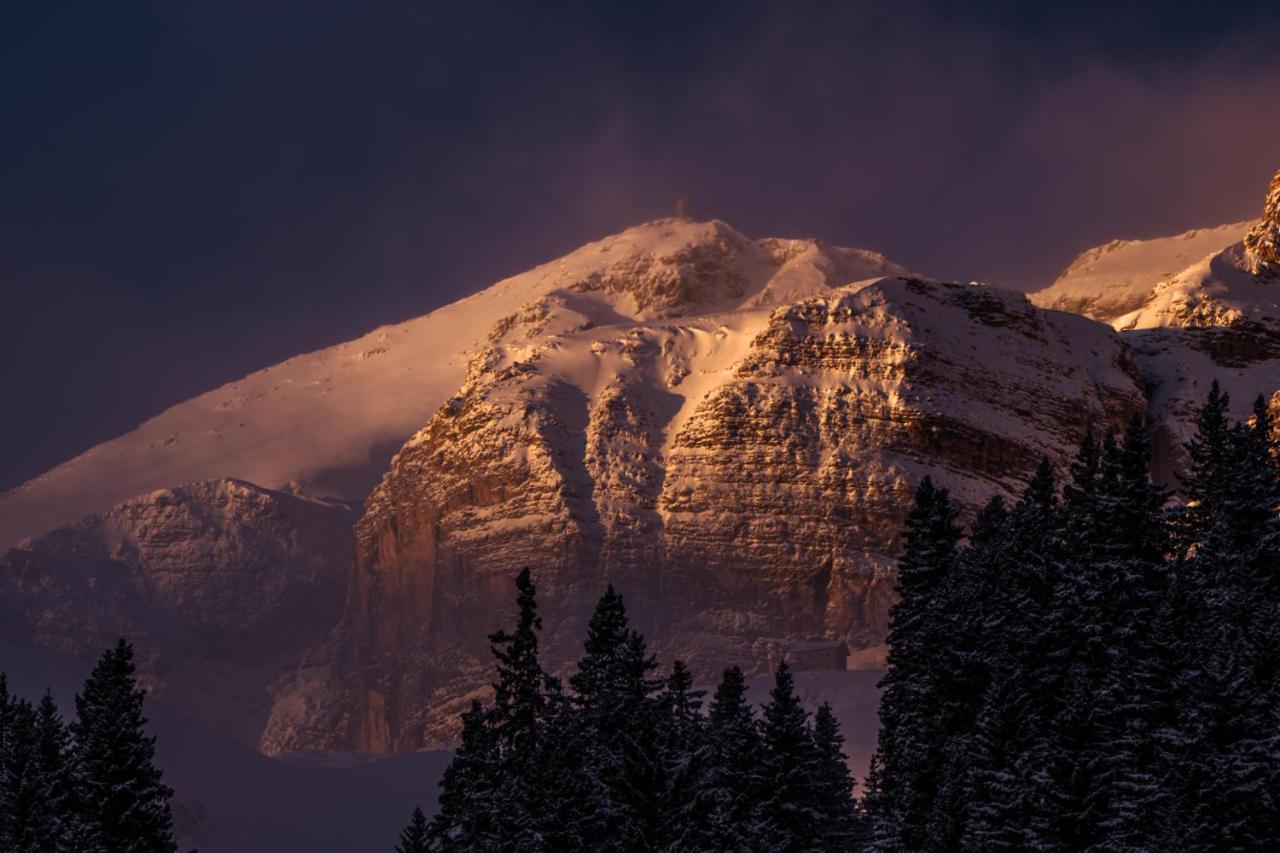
[
  {"x": 734, "y": 780},
  {"x": 617, "y": 723},
  {"x": 525, "y": 701},
  {"x": 685, "y": 805},
  {"x": 839, "y": 825},
  {"x": 997, "y": 816},
  {"x": 73, "y": 829},
  {"x": 789, "y": 812},
  {"x": 121, "y": 789},
  {"x": 27, "y": 819},
  {"x": 992, "y": 614},
  {"x": 1223, "y": 749},
  {"x": 1130, "y": 683},
  {"x": 414, "y": 837},
  {"x": 523, "y": 693},
  {"x": 465, "y": 819},
  {"x": 908, "y": 763}
]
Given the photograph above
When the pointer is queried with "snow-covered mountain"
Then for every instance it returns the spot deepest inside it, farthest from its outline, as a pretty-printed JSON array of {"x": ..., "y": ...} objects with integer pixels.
[
  {"x": 326, "y": 423},
  {"x": 1216, "y": 317},
  {"x": 728, "y": 429},
  {"x": 1112, "y": 280},
  {"x": 739, "y": 466}
]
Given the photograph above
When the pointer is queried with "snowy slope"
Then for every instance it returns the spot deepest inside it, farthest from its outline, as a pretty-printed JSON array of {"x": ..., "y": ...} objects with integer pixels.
[
  {"x": 739, "y": 473},
  {"x": 326, "y": 423},
  {"x": 1216, "y": 292},
  {"x": 1111, "y": 280},
  {"x": 1235, "y": 288},
  {"x": 1190, "y": 317}
]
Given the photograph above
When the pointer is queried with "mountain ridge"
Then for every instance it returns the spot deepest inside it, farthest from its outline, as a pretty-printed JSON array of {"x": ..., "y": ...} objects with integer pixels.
[
  {"x": 326, "y": 423},
  {"x": 728, "y": 427}
]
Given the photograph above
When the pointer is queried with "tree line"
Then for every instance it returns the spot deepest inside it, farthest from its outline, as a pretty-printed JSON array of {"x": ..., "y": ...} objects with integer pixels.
[
  {"x": 1092, "y": 667},
  {"x": 627, "y": 760},
  {"x": 88, "y": 787}
]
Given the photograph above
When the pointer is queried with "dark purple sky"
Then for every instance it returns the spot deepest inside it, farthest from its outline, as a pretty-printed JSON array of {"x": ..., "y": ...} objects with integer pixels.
[{"x": 190, "y": 191}]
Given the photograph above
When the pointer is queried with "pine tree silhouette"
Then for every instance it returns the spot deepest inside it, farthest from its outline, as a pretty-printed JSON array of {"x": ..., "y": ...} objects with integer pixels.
[
  {"x": 67, "y": 828},
  {"x": 838, "y": 827},
  {"x": 414, "y": 837},
  {"x": 686, "y": 804},
  {"x": 734, "y": 780},
  {"x": 1224, "y": 748},
  {"x": 28, "y": 817},
  {"x": 616, "y": 720},
  {"x": 790, "y": 807},
  {"x": 121, "y": 787},
  {"x": 525, "y": 700},
  {"x": 909, "y": 763},
  {"x": 466, "y": 817}
]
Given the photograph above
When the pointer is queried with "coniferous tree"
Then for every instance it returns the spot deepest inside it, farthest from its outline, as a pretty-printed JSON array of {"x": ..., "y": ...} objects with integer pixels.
[
  {"x": 1205, "y": 483},
  {"x": 122, "y": 791},
  {"x": 643, "y": 778},
  {"x": 53, "y": 744},
  {"x": 789, "y": 808},
  {"x": 525, "y": 701},
  {"x": 910, "y": 758},
  {"x": 997, "y": 815},
  {"x": 68, "y": 829},
  {"x": 29, "y": 822},
  {"x": 566, "y": 803},
  {"x": 6, "y": 747},
  {"x": 616, "y": 721},
  {"x": 838, "y": 825},
  {"x": 523, "y": 692},
  {"x": 686, "y": 804},
  {"x": 465, "y": 819},
  {"x": 1133, "y": 700},
  {"x": 599, "y": 684},
  {"x": 1000, "y": 600},
  {"x": 734, "y": 779},
  {"x": 1257, "y": 532},
  {"x": 1111, "y": 677},
  {"x": 1223, "y": 749},
  {"x": 414, "y": 838}
]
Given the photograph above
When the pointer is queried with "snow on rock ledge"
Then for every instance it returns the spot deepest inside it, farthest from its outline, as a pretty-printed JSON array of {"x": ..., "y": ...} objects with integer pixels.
[
  {"x": 1262, "y": 244},
  {"x": 741, "y": 476}
]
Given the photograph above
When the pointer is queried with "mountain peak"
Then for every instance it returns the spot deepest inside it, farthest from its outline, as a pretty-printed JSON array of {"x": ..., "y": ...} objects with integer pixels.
[
  {"x": 1262, "y": 243},
  {"x": 1110, "y": 281}
]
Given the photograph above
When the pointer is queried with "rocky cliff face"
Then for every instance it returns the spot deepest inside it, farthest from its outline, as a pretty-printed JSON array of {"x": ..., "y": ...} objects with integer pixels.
[
  {"x": 740, "y": 475},
  {"x": 1262, "y": 244},
  {"x": 727, "y": 429},
  {"x": 220, "y": 585}
]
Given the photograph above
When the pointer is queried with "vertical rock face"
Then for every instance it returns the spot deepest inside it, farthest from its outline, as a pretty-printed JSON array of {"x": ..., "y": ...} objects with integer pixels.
[
  {"x": 1262, "y": 243},
  {"x": 220, "y": 585},
  {"x": 740, "y": 475},
  {"x": 786, "y": 489}
]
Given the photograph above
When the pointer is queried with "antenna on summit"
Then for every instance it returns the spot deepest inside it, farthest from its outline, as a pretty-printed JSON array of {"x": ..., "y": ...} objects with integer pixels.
[{"x": 682, "y": 208}]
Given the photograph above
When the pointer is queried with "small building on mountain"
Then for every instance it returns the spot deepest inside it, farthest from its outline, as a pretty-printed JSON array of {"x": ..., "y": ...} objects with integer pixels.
[{"x": 818, "y": 654}]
